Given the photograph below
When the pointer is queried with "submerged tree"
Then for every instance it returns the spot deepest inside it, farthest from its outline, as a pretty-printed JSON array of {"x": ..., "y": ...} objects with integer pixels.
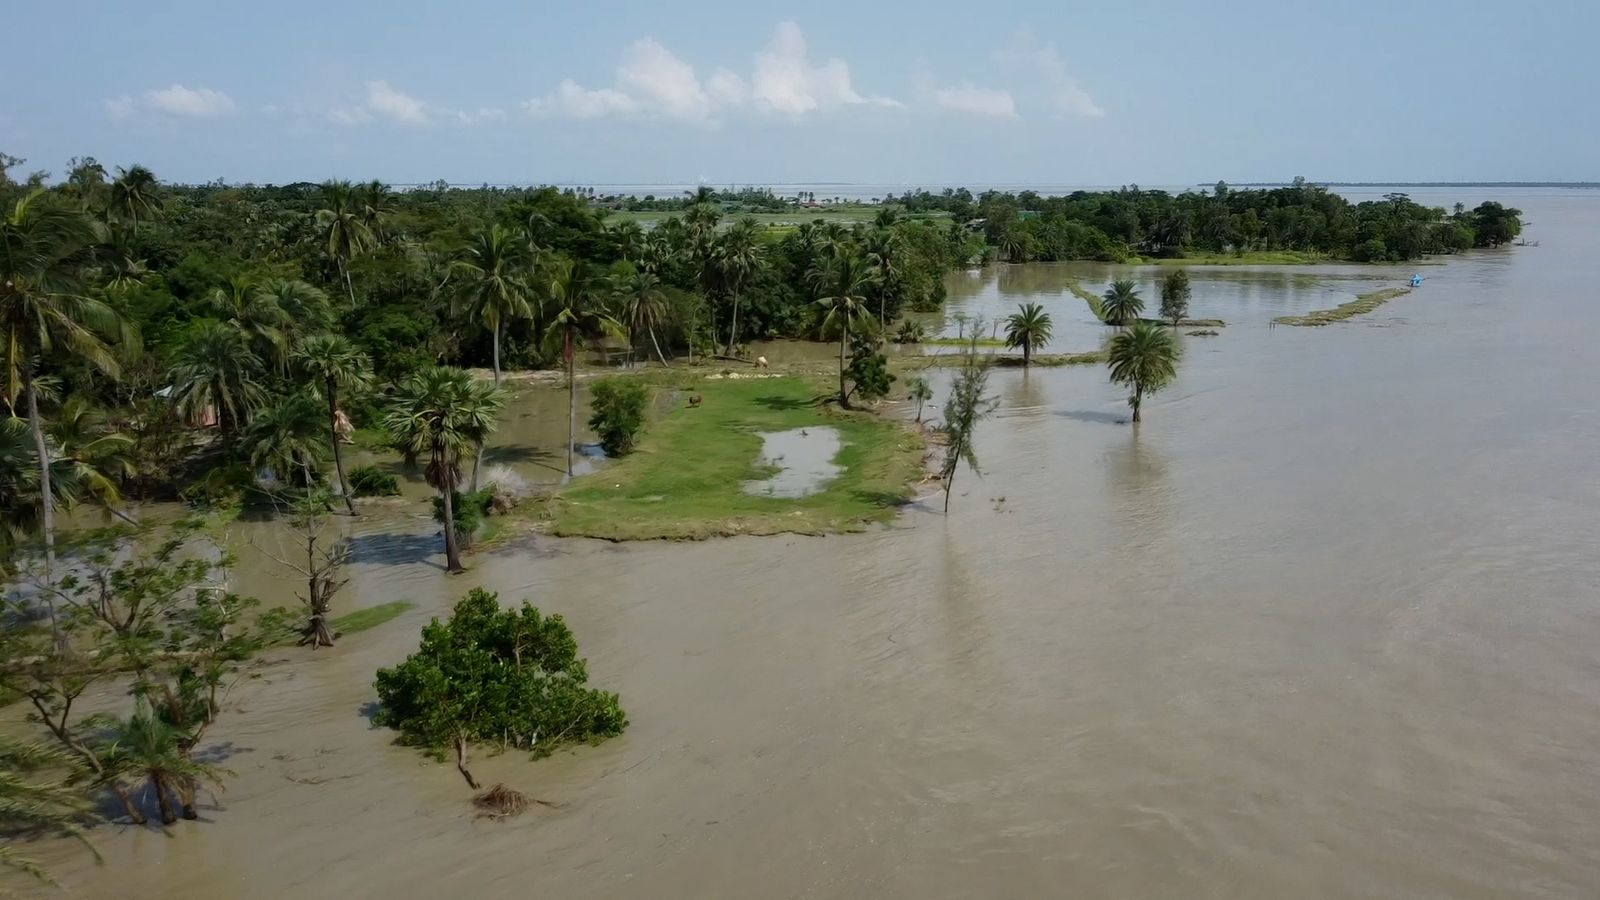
[
  {"x": 148, "y": 748},
  {"x": 443, "y": 413},
  {"x": 1122, "y": 304},
  {"x": 325, "y": 559},
  {"x": 510, "y": 678},
  {"x": 967, "y": 406},
  {"x": 1143, "y": 358},
  {"x": 1028, "y": 328},
  {"x": 1175, "y": 292}
]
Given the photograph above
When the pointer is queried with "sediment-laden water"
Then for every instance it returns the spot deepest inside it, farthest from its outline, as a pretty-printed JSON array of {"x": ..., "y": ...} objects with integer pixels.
[{"x": 1325, "y": 625}]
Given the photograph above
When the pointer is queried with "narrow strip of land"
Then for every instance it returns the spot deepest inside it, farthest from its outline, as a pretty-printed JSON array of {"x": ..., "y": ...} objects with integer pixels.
[{"x": 1363, "y": 303}]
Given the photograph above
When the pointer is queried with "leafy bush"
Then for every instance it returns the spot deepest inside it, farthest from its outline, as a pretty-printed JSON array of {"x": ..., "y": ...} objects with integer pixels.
[
  {"x": 511, "y": 678},
  {"x": 371, "y": 481},
  {"x": 619, "y": 406},
  {"x": 869, "y": 369},
  {"x": 220, "y": 487},
  {"x": 911, "y": 332},
  {"x": 470, "y": 510}
]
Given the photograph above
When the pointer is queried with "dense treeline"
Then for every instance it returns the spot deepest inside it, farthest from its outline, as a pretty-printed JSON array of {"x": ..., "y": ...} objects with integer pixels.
[{"x": 1118, "y": 225}]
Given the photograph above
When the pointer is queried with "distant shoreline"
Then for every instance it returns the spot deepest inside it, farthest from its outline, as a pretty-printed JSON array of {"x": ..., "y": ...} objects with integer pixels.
[{"x": 1422, "y": 184}]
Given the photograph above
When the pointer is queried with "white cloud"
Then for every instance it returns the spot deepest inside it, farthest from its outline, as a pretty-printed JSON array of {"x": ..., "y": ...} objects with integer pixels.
[
  {"x": 480, "y": 115},
  {"x": 1065, "y": 95},
  {"x": 389, "y": 103},
  {"x": 173, "y": 101},
  {"x": 977, "y": 101},
  {"x": 651, "y": 81}
]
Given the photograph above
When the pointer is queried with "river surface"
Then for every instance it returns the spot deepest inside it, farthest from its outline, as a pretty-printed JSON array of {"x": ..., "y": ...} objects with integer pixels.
[{"x": 1326, "y": 625}]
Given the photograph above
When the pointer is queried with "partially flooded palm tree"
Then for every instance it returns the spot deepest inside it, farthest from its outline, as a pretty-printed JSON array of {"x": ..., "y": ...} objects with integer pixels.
[
  {"x": 218, "y": 373},
  {"x": 333, "y": 365},
  {"x": 443, "y": 413},
  {"x": 1028, "y": 328},
  {"x": 1122, "y": 303},
  {"x": 1144, "y": 358},
  {"x": 288, "y": 437},
  {"x": 575, "y": 311},
  {"x": 148, "y": 749}
]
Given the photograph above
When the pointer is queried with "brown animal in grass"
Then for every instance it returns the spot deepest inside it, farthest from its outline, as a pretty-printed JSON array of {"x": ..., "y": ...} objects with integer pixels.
[{"x": 694, "y": 401}]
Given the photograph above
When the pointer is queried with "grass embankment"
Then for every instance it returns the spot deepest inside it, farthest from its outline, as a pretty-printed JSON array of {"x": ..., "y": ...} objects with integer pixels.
[
  {"x": 1087, "y": 296},
  {"x": 1044, "y": 360},
  {"x": 371, "y": 617},
  {"x": 686, "y": 479},
  {"x": 962, "y": 342},
  {"x": 1363, "y": 303},
  {"x": 1248, "y": 258}
]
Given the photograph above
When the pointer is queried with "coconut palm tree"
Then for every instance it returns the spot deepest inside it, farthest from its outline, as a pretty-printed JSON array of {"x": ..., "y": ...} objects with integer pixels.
[
  {"x": 883, "y": 255},
  {"x": 146, "y": 748},
  {"x": 135, "y": 196},
  {"x": 1122, "y": 302},
  {"x": 376, "y": 204},
  {"x": 841, "y": 282},
  {"x": 287, "y": 435},
  {"x": 216, "y": 371},
  {"x": 644, "y": 306},
  {"x": 1028, "y": 328},
  {"x": 1144, "y": 358},
  {"x": 305, "y": 308},
  {"x": 32, "y": 803},
  {"x": 332, "y": 364},
  {"x": 92, "y": 459},
  {"x": 490, "y": 279},
  {"x": 738, "y": 257},
  {"x": 43, "y": 250},
  {"x": 255, "y": 313},
  {"x": 575, "y": 310},
  {"x": 444, "y": 414},
  {"x": 343, "y": 229}
]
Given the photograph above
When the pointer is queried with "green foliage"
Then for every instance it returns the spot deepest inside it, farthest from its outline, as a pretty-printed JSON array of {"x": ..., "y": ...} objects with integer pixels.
[
  {"x": 868, "y": 371},
  {"x": 221, "y": 487},
  {"x": 36, "y": 800},
  {"x": 619, "y": 406},
  {"x": 470, "y": 509},
  {"x": 968, "y": 404},
  {"x": 1122, "y": 303},
  {"x": 911, "y": 331},
  {"x": 1143, "y": 358},
  {"x": 918, "y": 391},
  {"x": 1028, "y": 328},
  {"x": 507, "y": 678},
  {"x": 1175, "y": 293},
  {"x": 371, "y": 481}
]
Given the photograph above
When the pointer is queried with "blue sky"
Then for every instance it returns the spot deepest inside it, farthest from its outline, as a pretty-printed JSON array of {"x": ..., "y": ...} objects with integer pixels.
[{"x": 927, "y": 92}]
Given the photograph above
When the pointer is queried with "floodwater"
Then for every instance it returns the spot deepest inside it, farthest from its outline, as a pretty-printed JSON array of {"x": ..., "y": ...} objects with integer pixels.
[
  {"x": 803, "y": 458},
  {"x": 1325, "y": 625}
]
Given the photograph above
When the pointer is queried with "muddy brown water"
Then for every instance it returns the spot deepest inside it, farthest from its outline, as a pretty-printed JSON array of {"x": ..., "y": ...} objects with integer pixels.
[{"x": 1325, "y": 625}]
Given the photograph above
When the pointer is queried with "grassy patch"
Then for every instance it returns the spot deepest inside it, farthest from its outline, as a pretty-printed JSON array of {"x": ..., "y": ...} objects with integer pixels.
[
  {"x": 963, "y": 342},
  {"x": 1187, "y": 323},
  {"x": 1249, "y": 258},
  {"x": 686, "y": 479},
  {"x": 371, "y": 617},
  {"x": 1046, "y": 360},
  {"x": 1087, "y": 296},
  {"x": 1363, "y": 303}
]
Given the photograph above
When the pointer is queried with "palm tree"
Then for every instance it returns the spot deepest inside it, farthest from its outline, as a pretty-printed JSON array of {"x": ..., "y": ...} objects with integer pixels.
[
  {"x": 443, "y": 413},
  {"x": 216, "y": 371},
  {"x": 376, "y": 206},
  {"x": 841, "y": 283},
  {"x": 883, "y": 250},
  {"x": 255, "y": 313},
  {"x": 134, "y": 196},
  {"x": 1122, "y": 302},
  {"x": 738, "y": 257},
  {"x": 1145, "y": 359},
  {"x": 43, "y": 250},
  {"x": 918, "y": 390},
  {"x": 287, "y": 435},
  {"x": 92, "y": 459},
  {"x": 333, "y": 364},
  {"x": 304, "y": 307},
  {"x": 344, "y": 232},
  {"x": 148, "y": 748},
  {"x": 644, "y": 307},
  {"x": 1028, "y": 328},
  {"x": 489, "y": 276},
  {"x": 629, "y": 238},
  {"x": 886, "y": 217},
  {"x": 30, "y": 804},
  {"x": 576, "y": 311}
]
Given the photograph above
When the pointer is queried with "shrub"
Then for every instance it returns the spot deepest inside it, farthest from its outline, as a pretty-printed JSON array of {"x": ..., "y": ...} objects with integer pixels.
[
  {"x": 470, "y": 510},
  {"x": 511, "y": 678},
  {"x": 869, "y": 369},
  {"x": 911, "y": 332},
  {"x": 222, "y": 486},
  {"x": 619, "y": 407},
  {"x": 371, "y": 481}
]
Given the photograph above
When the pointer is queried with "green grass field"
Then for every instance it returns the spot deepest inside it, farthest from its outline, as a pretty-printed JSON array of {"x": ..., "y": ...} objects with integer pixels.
[
  {"x": 371, "y": 617},
  {"x": 1363, "y": 303},
  {"x": 685, "y": 480}
]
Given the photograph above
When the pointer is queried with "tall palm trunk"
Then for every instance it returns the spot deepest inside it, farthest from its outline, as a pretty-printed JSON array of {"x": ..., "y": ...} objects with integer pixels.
[
  {"x": 1027, "y": 353},
  {"x": 477, "y": 460},
  {"x": 338, "y": 460},
  {"x": 47, "y": 512},
  {"x": 844, "y": 338},
  {"x": 349, "y": 286},
  {"x": 452, "y": 553},
  {"x": 657, "y": 344},
  {"x": 949, "y": 484},
  {"x": 572, "y": 399},
  {"x": 1138, "y": 401},
  {"x": 733, "y": 329}
]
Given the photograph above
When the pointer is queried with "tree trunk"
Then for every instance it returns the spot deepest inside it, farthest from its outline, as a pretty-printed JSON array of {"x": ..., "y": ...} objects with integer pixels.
[
  {"x": 186, "y": 792},
  {"x": 349, "y": 286},
  {"x": 338, "y": 459},
  {"x": 1027, "y": 354},
  {"x": 1138, "y": 401},
  {"x": 477, "y": 459},
  {"x": 461, "y": 762},
  {"x": 134, "y": 814},
  {"x": 572, "y": 400},
  {"x": 165, "y": 802},
  {"x": 452, "y": 555},
  {"x": 844, "y": 337},
  {"x": 949, "y": 483},
  {"x": 657, "y": 344},
  {"x": 733, "y": 328},
  {"x": 47, "y": 512}
]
